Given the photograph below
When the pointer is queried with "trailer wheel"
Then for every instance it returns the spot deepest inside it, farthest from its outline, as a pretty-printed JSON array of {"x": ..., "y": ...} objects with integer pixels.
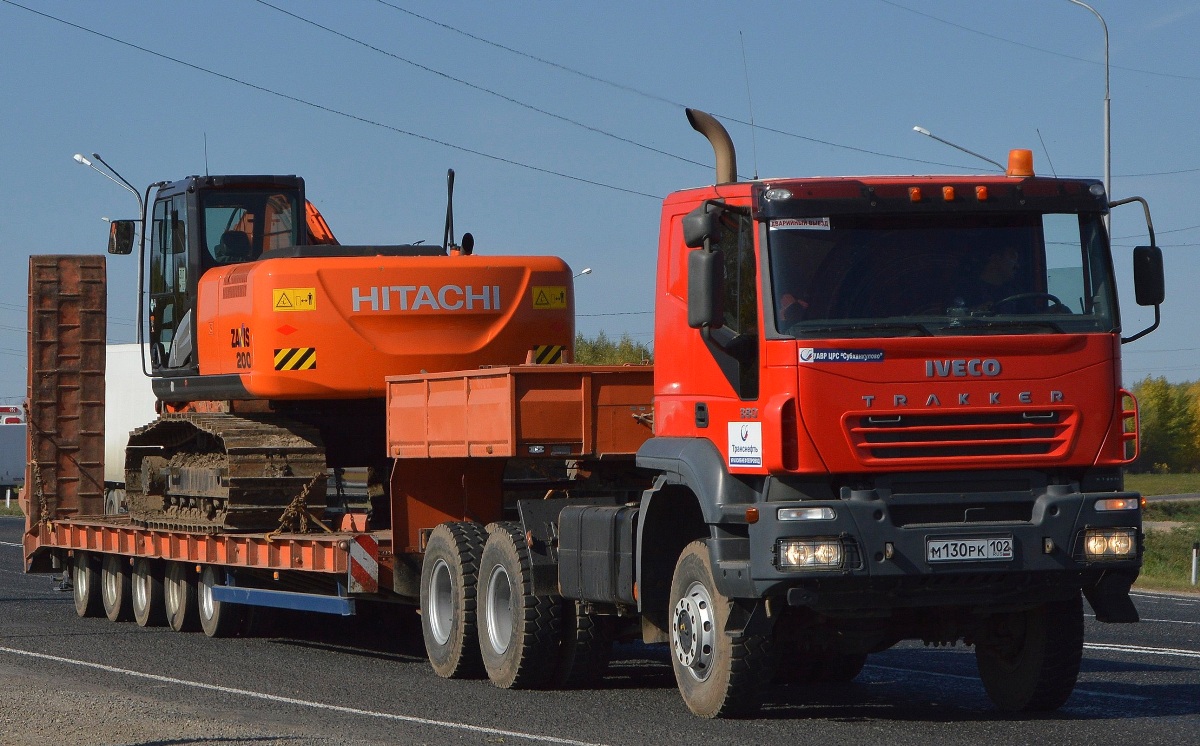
[
  {"x": 718, "y": 675},
  {"x": 587, "y": 641},
  {"x": 217, "y": 619},
  {"x": 179, "y": 597},
  {"x": 85, "y": 585},
  {"x": 114, "y": 588},
  {"x": 448, "y": 600},
  {"x": 1029, "y": 660},
  {"x": 519, "y": 633},
  {"x": 147, "y": 593}
]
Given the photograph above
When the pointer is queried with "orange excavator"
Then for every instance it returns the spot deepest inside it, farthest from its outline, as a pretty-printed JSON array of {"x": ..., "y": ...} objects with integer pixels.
[{"x": 269, "y": 343}]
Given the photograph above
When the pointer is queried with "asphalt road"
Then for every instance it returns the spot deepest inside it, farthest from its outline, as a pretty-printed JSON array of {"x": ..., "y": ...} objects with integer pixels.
[{"x": 320, "y": 680}]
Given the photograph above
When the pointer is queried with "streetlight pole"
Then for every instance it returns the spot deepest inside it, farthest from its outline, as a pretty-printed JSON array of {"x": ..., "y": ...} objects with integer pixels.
[{"x": 1107, "y": 110}]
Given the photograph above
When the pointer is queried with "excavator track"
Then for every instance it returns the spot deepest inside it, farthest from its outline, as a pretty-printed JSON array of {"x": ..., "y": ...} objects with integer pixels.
[{"x": 209, "y": 472}]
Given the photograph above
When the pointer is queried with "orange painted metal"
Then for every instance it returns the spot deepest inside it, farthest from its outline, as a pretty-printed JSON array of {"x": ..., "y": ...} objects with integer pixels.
[{"x": 563, "y": 411}]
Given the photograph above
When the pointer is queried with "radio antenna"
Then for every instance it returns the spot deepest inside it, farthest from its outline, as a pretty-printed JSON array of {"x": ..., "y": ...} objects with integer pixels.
[
  {"x": 750, "y": 103},
  {"x": 205, "y": 154},
  {"x": 1046, "y": 151}
]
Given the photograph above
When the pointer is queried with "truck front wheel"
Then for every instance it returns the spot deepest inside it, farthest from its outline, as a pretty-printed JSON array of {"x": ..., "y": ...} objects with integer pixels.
[
  {"x": 519, "y": 634},
  {"x": 719, "y": 675},
  {"x": 448, "y": 600},
  {"x": 1029, "y": 660}
]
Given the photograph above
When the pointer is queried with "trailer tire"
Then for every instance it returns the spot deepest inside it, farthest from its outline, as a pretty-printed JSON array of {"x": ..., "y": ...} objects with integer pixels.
[
  {"x": 449, "y": 576},
  {"x": 146, "y": 593},
  {"x": 179, "y": 597},
  {"x": 519, "y": 632},
  {"x": 587, "y": 641},
  {"x": 85, "y": 585},
  {"x": 1029, "y": 661},
  {"x": 217, "y": 619},
  {"x": 115, "y": 591},
  {"x": 719, "y": 675}
]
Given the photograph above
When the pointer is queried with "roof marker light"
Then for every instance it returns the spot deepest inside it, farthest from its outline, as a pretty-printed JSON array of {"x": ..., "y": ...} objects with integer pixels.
[
  {"x": 1020, "y": 162},
  {"x": 948, "y": 193},
  {"x": 981, "y": 193},
  {"x": 914, "y": 194}
]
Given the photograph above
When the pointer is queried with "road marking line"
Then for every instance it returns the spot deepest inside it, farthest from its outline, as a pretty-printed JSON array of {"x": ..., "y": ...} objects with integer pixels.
[
  {"x": 1140, "y": 649},
  {"x": 1162, "y": 621},
  {"x": 302, "y": 702},
  {"x": 976, "y": 680},
  {"x": 1167, "y": 597},
  {"x": 10, "y": 544}
]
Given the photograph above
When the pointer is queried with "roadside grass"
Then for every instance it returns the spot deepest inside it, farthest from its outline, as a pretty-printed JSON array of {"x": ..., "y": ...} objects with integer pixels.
[
  {"x": 1167, "y": 563},
  {"x": 1163, "y": 484},
  {"x": 13, "y": 510}
]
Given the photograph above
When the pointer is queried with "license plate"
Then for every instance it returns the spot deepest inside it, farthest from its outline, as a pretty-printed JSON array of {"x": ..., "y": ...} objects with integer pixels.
[{"x": 995, "y": 548}]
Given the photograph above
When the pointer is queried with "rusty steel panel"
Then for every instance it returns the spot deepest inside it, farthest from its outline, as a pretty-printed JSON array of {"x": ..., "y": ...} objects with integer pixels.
[
  {"x": 562, "y": 411},
  {"x": 65, "y": 388}
]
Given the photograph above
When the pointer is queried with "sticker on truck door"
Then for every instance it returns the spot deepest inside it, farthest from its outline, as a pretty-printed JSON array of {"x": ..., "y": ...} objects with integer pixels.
[{"x": 745, "y": 444}]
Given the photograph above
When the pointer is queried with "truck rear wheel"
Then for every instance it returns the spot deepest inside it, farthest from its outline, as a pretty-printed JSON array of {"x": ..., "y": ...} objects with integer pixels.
[
  {"x": 519, "y": 632},
  {"x": 719, "y": 675},
  {"x": 114, "y": 588},
  {"x": 179, "y": 597},
  {"x": 217, "y": 619},
  {"x": 85, "y": 585},
  {"x": 147, "y": 593},
  {"x": 449, "y": 574},
  {"x": 1029, "y": 660}
]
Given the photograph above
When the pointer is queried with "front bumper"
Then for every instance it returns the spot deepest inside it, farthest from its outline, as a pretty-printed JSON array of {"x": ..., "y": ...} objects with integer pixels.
[{"x": 885, "y": 563}]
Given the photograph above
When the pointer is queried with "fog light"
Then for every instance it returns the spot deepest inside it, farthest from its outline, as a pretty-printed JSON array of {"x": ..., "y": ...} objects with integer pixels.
[
  {"x": 1106, "y": 544},
  {"x": 809, "y": 553},
  {"x": 806, "y": 514}
]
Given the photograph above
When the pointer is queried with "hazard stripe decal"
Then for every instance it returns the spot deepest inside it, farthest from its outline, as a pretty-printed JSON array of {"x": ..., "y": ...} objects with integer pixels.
[
  {"x": 296, "y": 358},
  {"x": 363, "y": 574},
  {"x": 547, "y": 354}
]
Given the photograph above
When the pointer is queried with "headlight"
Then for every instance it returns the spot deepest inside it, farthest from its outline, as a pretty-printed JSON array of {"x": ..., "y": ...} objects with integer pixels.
[
  {"x": 1109, "y": 543},
  {"x": 795, "y": 554}
]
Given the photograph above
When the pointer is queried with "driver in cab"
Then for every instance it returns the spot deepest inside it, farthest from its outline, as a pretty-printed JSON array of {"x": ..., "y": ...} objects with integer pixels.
[{"x": 996, "y": 281}]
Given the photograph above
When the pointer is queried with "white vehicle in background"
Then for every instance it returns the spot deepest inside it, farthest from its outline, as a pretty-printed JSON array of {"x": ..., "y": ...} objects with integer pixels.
[{"x": 129, "y": 404}]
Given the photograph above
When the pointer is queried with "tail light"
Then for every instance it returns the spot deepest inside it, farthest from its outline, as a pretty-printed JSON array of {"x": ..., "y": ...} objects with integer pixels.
[{"x": 1129, "y": 426}]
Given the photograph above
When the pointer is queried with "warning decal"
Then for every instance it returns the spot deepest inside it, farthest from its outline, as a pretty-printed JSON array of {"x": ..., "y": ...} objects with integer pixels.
[
  {"x": 549, "y": 296},
  {"x": 296, "y": 358},
  {"x": 294, "y": 299},
  {"x": 547, "y": 354}
]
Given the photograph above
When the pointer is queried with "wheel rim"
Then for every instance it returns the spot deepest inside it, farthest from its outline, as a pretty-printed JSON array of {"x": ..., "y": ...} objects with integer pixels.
[
  {"x": 441, "y": 601},
  {"x": 172, "y": 594},
  {"x": 499, "y": 609},
  {"x": 80, "y": 581},
  {"x": 693, "y": 631},
  {"x": 141, "y": 593},
  {"x": 204, "y": 593},
  {"x": 108, "y": 584}
]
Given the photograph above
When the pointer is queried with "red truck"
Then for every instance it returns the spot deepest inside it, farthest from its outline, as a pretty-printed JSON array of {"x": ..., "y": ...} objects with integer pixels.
[{"x": 881, "y": 409}]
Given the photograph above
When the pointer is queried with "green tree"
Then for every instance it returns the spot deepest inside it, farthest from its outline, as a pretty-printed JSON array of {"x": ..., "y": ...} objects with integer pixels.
[
  {"x": 1169, "y": 426},
  {"x": 600, "y": 350}
]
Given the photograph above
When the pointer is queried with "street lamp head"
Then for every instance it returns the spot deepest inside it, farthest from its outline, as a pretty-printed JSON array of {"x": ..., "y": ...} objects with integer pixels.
[
  {"x": 923, "y": 131},
  {"x": 80, "y": 159},
  {"x": 584, "y": 271}
]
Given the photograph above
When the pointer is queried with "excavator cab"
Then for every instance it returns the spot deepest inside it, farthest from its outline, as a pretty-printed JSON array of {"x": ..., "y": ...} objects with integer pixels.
[{"x": 200, "y": 223}]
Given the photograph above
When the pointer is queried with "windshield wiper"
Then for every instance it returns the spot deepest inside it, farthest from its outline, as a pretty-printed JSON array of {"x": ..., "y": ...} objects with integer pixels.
[
  {"x": 874, "y": 326},
  {"x": 975, "y": 324}
]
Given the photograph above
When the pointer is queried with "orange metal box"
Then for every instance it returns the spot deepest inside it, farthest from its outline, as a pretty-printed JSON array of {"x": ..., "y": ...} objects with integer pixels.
[{"x": 564, "y": 411}]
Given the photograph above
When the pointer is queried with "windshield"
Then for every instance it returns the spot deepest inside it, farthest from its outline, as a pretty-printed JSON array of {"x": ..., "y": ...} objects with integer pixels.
[
  {"x": 904, "y": 275},
  {"x": 240, "y": 225}
]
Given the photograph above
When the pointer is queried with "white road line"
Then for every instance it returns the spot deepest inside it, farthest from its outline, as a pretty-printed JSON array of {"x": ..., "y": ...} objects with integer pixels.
[
  {"x": 302, "y": 702},
  {"x": 1142, "y": 650},
  {"x": 11, "y": 544},
  {"x": 975, "y": 679},
  {"x": 1167, "y": 597},
  {"x": 1160, "y": 621}
]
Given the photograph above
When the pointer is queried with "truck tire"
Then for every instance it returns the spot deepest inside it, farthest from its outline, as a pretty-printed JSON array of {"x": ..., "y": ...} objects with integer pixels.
[
  {"x": 519, "y": 632},
  {"x": 1029, "y": 660},
  {"x": 115, "y": 592},
  {"x": 146, "y": 591},
  {"x": 838, "y": 668},
  {"x": 217, "y": 619},
  {"x": 448, "y": 600},
  {"x": 179, "y": 597},
  {"x": 587, "y": 641},
  {"x": 719, "y": 675},
  {"x": 85, "y": 585}
]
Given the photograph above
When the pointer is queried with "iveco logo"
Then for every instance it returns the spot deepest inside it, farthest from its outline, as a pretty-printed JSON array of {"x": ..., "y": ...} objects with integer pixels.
[{"x": 962, "y": 368}]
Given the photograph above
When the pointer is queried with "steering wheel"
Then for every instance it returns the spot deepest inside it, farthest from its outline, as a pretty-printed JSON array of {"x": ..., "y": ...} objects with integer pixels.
[{"x": 1055, "y": 305}]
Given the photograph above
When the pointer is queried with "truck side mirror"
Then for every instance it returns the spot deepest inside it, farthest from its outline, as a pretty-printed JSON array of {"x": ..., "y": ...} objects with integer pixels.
[
  {"x": 702, "y": 224},
  {"x": 1149, "y": 286},
  {"x": 120, "y": 236},
  {"x": 706, "y": 289}
]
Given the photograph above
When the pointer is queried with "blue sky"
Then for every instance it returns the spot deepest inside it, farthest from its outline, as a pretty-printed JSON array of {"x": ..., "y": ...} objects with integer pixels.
[{"x": 564, "y": 121}]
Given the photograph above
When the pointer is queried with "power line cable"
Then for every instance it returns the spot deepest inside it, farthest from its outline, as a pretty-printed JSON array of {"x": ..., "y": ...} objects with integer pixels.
[{"x": 331, "y": 110}]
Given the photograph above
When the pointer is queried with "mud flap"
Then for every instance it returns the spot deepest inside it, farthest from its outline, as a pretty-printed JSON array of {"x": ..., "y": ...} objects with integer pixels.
[{"x": 1109, "y": 597}]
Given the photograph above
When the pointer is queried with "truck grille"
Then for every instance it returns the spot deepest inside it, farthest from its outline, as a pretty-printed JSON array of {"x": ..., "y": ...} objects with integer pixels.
[{"x": 894, "y": 438}]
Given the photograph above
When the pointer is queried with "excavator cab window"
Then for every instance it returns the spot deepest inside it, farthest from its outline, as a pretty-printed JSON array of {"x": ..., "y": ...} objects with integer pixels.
[
  {"x": 239, "y": 225},
  {"x": 168, "y": 275}
]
